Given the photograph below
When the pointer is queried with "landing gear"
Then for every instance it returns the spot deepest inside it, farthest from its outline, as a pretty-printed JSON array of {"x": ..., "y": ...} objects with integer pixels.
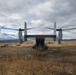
[{"x": 40, "y": 44}]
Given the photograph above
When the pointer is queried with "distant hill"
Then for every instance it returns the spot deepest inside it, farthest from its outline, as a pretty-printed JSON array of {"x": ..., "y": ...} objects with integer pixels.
[
  {"x": 11, "y": 40},
  {"x": 69, "y": 40},
  {"x": 30, "y": 39}
]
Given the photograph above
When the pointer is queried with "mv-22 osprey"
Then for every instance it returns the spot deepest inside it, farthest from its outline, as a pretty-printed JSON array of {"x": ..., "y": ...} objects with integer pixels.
[{"x": 39, "y": 39}]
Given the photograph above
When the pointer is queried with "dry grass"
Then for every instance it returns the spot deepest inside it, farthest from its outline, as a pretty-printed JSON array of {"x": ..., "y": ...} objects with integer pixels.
[
  {"x": 49, "y": 43},
  {"x": 64, "y": 43},
  {"x": 16, "y": 59},
  {"x": 35, "y": 67}
]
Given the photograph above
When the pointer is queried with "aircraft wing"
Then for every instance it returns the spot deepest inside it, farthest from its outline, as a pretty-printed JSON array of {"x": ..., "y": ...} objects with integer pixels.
[{"x": 41, "y": 36}]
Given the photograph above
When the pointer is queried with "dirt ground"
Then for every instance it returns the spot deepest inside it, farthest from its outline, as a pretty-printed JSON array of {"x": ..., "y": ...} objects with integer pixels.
[{"x": 22, "y": 59}]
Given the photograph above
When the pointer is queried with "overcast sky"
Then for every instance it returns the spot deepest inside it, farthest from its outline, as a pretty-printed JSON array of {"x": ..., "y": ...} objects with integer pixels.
[{"x": 39, "y": 14}]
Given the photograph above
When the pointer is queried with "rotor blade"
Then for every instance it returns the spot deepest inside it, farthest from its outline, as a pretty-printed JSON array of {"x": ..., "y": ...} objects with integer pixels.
[
  {"x": 69, "y": 29},
  {"x": 50, "y": 28},
  {"x": 30, "y": 28},
  {"x": 9, "y": 28},
  {"x": 69, "y": 32}
]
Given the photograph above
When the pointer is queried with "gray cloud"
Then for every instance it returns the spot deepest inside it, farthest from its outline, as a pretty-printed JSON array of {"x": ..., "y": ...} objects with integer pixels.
[{"x": 38, "y": 13}]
